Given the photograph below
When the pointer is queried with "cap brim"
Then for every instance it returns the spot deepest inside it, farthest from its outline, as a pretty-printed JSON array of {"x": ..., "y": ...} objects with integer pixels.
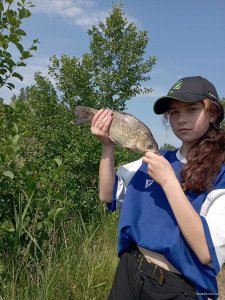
[{"x": 161, "y": 105}]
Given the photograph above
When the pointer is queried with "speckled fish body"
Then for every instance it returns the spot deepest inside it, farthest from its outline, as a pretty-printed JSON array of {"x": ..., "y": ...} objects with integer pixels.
[{"x": 125, "y": 130}]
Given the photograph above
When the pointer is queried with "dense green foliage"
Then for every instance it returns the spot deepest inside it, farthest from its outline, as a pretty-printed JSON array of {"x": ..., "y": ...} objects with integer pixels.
[
  {"x": 81, "y": 269},
  {"x": 12, "y": 52},
  {"x": 48, "y": 166}
]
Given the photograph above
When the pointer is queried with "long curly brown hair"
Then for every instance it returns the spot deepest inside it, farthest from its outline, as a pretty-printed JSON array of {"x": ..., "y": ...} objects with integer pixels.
[{"x": 206, "y": 157}]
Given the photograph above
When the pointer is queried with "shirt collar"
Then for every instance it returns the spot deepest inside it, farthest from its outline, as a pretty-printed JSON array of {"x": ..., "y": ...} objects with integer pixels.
[{"x": 180, "y": 157}]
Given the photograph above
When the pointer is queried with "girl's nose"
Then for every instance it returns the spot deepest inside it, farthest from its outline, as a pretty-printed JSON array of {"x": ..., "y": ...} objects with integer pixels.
[{"x": 182, "y": 118}]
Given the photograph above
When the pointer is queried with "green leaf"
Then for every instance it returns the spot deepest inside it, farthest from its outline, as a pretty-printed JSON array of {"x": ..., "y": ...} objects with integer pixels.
[
  {"x": 15, "y": 138},
  {"x": 58, "y": 161},
  {"x": 21, "y": 64},
  {"x": 3, "y": 40},
  {"x": 57, "y": 211},
  {"x": 24, "y": 13},
  {"x": 20, "y": 32},
  {"x": 1, "y": 6},
  {"x": 19, "y": 47},
  {"x": 15, "y": 127},
  {"x": 35, "y": 41},
  {"x": 17, "y": 75},
  {"x": 3, "y": 71},
  {"x": 33, "y": 48},
  {"x": 7, "y": 226},
  {"x": 26, "y": 54},
  {"x": 11, "y": 86},
  {"x": 59, "y": 196},
  {"x": 9, "y": 174}
]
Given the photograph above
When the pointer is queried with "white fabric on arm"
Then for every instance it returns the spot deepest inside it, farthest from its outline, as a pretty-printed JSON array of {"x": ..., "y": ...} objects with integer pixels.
[
  {"x": 124, "y": 176},
  {"x": 213, "y": 209}
]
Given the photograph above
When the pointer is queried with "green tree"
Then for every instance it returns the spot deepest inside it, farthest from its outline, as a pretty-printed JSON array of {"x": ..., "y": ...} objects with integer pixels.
[
  {"x": 117, "y": 54},
  {"x": 114, "y": 69},
  {"x": 12, "y": 52},
  {"x": 168, "y": 147}
]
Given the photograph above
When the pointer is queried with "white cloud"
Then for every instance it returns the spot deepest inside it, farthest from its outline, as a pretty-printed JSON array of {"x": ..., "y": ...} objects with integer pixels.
[
  {"x": 83, "y": 13},
  {"x": 56, "y": 6}
]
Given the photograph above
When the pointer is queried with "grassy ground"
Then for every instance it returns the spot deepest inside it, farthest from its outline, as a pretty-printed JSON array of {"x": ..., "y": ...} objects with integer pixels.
[{"x": 82, "y": 271}]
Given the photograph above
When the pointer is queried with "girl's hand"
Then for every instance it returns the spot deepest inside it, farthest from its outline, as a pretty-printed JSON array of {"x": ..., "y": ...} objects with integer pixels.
[
  {"x": 100, "y": 126},
  {"x": 159, "y": 168}
]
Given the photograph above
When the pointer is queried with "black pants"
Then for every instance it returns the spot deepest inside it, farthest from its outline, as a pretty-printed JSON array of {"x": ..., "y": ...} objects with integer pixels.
[{"x": 137, "y": 279}]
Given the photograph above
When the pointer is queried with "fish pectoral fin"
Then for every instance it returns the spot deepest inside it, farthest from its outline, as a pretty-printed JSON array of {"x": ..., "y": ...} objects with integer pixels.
[
  {"x": 134, "y": 149},
  {"x": 131, "y": 145}
]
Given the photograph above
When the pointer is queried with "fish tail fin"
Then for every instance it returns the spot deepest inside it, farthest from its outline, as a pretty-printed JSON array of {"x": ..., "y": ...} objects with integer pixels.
[{"x": 84, "y": 114}]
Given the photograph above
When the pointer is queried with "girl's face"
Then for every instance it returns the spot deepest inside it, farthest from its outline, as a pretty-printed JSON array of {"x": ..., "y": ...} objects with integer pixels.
[{"x": 189, "y": 121}]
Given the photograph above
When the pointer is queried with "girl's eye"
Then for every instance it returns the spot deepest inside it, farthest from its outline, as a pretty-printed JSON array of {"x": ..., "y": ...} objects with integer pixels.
[
  {"x": 192, "y": 109},
  {"x": 173, "y": 112}
]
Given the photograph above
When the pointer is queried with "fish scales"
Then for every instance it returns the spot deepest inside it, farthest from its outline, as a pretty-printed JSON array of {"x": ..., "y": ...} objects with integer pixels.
[
  {"x": 125, "y": 130},
  {"x": 125, "y": 126}
]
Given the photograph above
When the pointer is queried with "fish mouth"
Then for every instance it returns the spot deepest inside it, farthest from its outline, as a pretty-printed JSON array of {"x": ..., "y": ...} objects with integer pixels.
[
  {"x": 156, "y": 151},
  {"x": 156, "y": 148},
  {"x": 153, "y": 149}
]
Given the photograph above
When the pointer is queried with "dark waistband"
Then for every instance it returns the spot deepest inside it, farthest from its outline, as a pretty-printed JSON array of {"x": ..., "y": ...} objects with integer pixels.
[{"x": 160, "y": 274}]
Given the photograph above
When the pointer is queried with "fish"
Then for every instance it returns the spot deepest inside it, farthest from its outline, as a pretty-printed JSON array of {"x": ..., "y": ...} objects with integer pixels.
[{"x": 125, "y": 130}]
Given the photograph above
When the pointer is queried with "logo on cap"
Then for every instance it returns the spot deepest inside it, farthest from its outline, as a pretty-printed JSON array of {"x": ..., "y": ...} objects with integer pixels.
[
  {"x": 176, "y": 86},
  {"x": 212, "y": 96}
]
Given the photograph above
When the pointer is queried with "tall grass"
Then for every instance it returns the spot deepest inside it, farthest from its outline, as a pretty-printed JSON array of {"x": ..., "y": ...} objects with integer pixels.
[
  {"x": 77, "y": 263},
  {"x": 80, "y": 265}
]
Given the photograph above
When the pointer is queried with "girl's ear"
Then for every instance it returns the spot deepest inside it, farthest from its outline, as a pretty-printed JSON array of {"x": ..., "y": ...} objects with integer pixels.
[{"x": 211, "y": 118}]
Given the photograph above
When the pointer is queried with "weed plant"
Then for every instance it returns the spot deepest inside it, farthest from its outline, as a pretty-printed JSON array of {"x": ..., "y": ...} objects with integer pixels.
[{"x": 79, "y": 265}]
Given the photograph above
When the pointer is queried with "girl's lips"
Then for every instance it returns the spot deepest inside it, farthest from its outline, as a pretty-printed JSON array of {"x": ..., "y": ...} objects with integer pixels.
[{"x": 184, "y": 130}]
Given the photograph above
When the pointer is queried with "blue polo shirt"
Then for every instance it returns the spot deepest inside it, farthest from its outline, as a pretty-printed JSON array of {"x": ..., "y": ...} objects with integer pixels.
[{"x": 147, "y": 220}]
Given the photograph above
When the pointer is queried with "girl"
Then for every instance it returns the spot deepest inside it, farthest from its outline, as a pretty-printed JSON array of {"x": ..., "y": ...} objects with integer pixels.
[{"x": 171, "y": 240}]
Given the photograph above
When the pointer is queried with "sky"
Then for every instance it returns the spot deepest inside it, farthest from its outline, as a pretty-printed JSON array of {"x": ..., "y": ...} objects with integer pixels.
[{"x": 187, "y": 37}]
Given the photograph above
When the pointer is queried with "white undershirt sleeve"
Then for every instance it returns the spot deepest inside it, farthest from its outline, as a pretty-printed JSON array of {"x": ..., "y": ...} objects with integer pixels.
[
  {"x": 123, "y": 177},
  {"x": 213, "y": 210}
]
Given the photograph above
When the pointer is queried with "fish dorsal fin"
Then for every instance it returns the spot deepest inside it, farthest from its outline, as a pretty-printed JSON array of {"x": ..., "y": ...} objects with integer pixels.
[{"x": 127, "y": 117}]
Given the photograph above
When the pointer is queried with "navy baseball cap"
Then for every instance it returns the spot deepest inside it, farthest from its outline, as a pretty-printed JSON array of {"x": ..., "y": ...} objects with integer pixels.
[{"x": 187, "y": 89}]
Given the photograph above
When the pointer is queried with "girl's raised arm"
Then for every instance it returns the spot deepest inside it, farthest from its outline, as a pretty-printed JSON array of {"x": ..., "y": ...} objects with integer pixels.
[{"x": 100, "y": 128}]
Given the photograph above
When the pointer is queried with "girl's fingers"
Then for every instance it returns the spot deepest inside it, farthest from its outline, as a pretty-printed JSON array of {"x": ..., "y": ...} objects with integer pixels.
[
  {"x": 103, "y": 119},
  {"x": 97, "y": 115},
  {"x": 145, "y": 159},
  {"x": 101, "y": 123},
  {"x": 106, "y": 122},
  {"x": 151, "y": 154},
  {"x": 148, "y": 156}
]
